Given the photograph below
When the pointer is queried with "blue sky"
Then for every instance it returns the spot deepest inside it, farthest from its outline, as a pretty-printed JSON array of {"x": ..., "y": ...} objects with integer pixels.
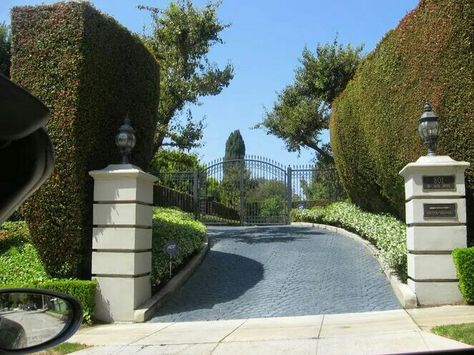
[{"x": 264, "y": 42}]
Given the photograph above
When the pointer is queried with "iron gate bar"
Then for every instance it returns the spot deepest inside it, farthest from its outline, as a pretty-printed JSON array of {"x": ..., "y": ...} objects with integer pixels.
[{"x": 250, "y": 190}]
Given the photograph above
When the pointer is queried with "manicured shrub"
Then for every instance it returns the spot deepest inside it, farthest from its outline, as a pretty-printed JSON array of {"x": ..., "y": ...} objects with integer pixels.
[
  {"x": 464, "y": 261},
  {"x": 174, "y": 225},
  {"x": 385, "y": 232},
  {"x": 374, "y": 121},
  {"x": 20, "y": 266},
  {"x": 83, "y": 290},
  {"x": 13, "y": 234},
  {"x": 91, "y": 72}
]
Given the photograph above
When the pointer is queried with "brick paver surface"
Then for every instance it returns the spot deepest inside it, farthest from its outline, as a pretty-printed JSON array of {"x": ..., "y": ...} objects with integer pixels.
[{"x": 280, "y": 271}]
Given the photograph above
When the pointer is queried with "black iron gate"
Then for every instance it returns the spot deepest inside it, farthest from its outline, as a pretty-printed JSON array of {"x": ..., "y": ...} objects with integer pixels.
[{"x": 252, "y": 190}]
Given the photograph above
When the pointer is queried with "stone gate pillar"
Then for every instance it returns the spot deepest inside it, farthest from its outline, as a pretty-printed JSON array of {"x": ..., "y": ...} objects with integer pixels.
[
  {"x": 436, "y": 224},
  {"x": 122, "y": 235}
]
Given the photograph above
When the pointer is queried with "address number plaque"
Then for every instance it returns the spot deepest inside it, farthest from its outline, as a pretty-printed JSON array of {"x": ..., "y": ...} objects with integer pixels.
[{"x": 439, "y": 183}]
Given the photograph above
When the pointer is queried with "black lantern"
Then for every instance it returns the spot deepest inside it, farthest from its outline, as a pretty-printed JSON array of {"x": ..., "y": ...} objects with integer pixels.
[
  {"x": 125, "y": 140},
  {"x": 428, "y": 129}
]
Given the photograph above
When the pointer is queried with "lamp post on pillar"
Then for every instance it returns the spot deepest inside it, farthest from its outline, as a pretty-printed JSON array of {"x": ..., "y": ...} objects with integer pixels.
[
  {"x": 121, "y": 245},
  {"x": 435, "y": 217}
]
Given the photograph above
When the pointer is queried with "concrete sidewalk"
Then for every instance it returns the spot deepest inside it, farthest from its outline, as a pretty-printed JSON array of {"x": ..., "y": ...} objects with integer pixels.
[{"x": 354, "y": 333}]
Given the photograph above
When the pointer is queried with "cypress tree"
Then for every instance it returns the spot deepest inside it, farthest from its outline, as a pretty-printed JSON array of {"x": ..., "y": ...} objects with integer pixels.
[{"x": 234, "y": 146}]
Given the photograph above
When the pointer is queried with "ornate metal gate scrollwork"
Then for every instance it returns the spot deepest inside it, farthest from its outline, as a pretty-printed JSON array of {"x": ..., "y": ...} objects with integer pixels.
[{"x": 252, "y": 191}]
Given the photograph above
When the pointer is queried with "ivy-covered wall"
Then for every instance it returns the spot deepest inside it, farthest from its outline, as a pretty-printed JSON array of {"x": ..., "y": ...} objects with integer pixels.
[
  {"x": 91, "y": 72},
  {"x": 430, "y": 55}
]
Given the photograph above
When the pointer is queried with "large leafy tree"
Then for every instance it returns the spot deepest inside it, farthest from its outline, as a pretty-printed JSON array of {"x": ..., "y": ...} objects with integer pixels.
[
  {"x": 302, "y": 109},
  {"x": 181, "y": 37},
  {"x": 4, "y": 49}
]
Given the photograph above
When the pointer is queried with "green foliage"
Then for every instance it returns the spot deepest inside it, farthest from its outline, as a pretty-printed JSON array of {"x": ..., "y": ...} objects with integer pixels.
[
  {"x": 234, "y": 146},
  {"x": 464, "y": 261},
  {"x": 83, "y": 290},
  {"x": 273, "y": 206},
  {"x": 19, "y": 261},
  {"x": 20, "y": 266},
  {"x": 460, "y": 332},
  {"x": 13, "y": 234},
  {"x": 5, "y": 44},
  {"x": 234, "y": 171},
  {"x": 374, "y": 123},
  {"x": 302, "y": 109},
  {"x": 189, "y": 235},
  {"x": 385, "y": 232},
  {"x": 325, "y": 184},
  {"x": 65, "y": 348},
  {"x": 263, "y": 189},
  {"x": 90, "y": 71},
  {"x": 170, "y": 161},
  {"x": 181, "y": 37}
]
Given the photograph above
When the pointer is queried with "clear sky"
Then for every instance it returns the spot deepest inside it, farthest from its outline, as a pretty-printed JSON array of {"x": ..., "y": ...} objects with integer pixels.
[{"x": 264, "y": 42}]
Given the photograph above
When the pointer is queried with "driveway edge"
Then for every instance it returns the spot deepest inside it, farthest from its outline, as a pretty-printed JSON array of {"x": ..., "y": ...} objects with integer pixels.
[
  {"x": 404, "y": 294},
  {"x": 146, "y": 310}
]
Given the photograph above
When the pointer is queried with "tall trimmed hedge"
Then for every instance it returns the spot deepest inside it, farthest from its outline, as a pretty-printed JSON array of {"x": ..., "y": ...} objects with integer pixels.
[
  {"x": 464, "y": 262},
  {"x": 90, "y": 71},
  {"x": 374, "y": 122}
]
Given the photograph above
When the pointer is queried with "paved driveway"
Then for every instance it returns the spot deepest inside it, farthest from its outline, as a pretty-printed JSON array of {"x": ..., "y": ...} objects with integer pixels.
[{"x": 280, "y": 271}]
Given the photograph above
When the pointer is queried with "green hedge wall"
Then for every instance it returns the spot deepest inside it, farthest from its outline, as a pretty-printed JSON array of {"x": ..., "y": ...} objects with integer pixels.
[
  {"x": 374, "y": 122},
  {"x": 90, "y": 71},
  {"x": 189, "y": 235},
  {"x": 464, "y": 261}
]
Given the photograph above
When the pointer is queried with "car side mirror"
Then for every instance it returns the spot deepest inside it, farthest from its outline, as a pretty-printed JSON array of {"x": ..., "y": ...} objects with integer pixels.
[{"x": 32, "y": 319}]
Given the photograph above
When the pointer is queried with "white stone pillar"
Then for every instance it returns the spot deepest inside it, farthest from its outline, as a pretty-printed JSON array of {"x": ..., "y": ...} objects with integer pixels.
[
  {"x": 121, "y": 246},
  {"x": 436, "y": 224}
]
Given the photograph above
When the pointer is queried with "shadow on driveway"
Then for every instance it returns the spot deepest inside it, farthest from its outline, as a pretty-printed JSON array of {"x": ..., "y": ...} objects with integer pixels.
[{"x": 222, "y": 277}]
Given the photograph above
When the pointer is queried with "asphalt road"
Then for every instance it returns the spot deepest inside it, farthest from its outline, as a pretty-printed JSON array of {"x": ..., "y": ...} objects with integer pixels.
[{"x": 280, "y": 271}]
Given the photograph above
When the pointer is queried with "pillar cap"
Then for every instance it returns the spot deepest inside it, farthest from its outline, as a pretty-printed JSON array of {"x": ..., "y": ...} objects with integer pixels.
[
  {"x": 432, "y": 163},
  {"x": 114, "y": 171}
]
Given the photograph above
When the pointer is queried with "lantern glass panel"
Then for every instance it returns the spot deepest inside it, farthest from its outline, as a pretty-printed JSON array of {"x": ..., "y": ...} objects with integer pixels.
[
  {"x": 428, "y": 130},
  {"x": 121, "y": 140}
]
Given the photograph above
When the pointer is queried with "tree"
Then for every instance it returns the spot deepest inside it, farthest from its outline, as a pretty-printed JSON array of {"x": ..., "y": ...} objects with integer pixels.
[
  {"x": 235, "y": 172},
  {"x": 303, "y": 108},
  {"x": 171, "y": 161},
  {"x": 181, "y": 38},
  {"x": 325, "y": 184},
  {"x": 234, "y": 146},
  {"x": 5, "y": 44}
]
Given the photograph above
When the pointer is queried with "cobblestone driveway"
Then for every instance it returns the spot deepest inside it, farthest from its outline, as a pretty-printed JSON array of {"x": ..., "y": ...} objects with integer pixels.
[{"x": 280, "y": 271}]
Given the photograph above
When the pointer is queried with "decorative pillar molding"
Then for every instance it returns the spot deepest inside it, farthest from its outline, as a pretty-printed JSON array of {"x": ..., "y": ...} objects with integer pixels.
[
  {"x": 436, "y": 224},
  {"x": 121, "y": 245}
]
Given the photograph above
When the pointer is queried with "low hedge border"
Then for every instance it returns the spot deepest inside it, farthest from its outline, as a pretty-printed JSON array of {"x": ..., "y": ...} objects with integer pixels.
[
  {"x": 171, "y": 224},
  {"x": 385, "y": 232},
  {"x": 21, "y": 267},
  {"x": 464, "y": 262},
  {"x": 83, "y": 290}
]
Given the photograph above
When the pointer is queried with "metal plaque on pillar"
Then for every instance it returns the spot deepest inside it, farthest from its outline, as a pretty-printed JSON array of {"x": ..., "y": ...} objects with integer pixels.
[{"x": 439, "y": 183}]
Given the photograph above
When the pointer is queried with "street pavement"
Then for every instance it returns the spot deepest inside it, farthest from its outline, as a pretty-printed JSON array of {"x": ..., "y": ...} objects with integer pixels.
[
  {"x": 386, "y": 332},
  {"x": 280, "y": 271}
]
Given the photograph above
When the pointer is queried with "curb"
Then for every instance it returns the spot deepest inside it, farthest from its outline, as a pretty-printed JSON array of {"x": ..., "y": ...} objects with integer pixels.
[
  {"x": 146, "y": 310},
  {"x": 404, "y": 294}
]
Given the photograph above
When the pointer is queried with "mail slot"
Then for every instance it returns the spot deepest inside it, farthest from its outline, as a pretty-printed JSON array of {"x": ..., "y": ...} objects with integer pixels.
[{"x": 439, "y": 210}]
